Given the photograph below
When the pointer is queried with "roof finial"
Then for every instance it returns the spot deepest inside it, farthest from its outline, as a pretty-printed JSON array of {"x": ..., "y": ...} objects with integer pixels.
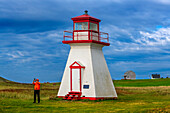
[{"x": 86, "y": 12}]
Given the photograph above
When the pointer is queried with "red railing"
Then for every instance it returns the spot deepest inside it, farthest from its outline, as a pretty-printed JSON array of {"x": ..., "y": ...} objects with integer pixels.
[{"x": 90, "y": 34}]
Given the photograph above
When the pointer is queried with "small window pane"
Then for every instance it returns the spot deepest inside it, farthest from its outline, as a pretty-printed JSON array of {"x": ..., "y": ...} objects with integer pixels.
[
  {"x": 85, "y": 86},
  {"x": 81, "y": 26},
  {"x": 93, "y": 26}
]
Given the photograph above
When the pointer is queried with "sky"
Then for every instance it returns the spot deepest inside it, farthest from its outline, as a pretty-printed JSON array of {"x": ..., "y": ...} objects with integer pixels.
[{"x": 31, "y": 34}]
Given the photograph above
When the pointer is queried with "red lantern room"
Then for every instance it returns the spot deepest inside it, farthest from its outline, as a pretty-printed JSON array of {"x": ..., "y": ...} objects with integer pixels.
[{"x": 86, "y": 30}]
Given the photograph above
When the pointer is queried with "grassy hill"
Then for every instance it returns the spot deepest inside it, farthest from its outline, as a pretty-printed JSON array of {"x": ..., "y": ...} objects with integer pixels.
[
  {"x": 133, "y": 97},
  {"x": 3, "y": 80}
]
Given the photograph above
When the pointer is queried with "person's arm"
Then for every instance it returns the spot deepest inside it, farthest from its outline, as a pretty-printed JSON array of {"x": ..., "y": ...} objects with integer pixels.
[{"x": 33, "y": 82}]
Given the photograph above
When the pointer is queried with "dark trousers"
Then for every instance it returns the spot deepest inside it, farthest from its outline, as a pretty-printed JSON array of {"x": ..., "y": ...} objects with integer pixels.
[{"x": 37, "y": 92}]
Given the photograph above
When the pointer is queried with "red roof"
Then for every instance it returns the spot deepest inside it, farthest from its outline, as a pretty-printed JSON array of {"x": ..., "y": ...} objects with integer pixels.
[{"x": 85, "y": 17}]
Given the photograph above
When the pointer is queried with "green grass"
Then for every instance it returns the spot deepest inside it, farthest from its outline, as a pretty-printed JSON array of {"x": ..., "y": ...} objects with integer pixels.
[
  {"x": 133, "y": 97},
  {"x": 142, "y": 83}
]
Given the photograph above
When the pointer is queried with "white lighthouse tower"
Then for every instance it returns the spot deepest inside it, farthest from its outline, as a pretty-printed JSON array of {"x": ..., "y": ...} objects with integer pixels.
[{"x": 86, "y": 74}]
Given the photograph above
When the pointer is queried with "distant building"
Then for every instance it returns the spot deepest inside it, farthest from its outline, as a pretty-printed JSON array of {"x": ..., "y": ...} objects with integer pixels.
[
  {"x": 129, "y": 75},
  {"x": 155, "y": 76}
]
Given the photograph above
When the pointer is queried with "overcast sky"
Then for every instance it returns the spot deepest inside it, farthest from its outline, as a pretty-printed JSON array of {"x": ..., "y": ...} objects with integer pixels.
[{"x": 31, "y": 36}]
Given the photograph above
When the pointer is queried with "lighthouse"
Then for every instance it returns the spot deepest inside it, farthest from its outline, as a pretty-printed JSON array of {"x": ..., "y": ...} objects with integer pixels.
[{"x": 86, "y": 75}]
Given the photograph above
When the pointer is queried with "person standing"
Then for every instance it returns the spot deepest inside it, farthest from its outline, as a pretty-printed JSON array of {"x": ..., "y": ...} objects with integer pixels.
[{"x": 36, "y": 84}]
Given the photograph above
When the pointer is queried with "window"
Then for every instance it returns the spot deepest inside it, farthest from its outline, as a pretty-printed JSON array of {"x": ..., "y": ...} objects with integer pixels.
[
  {"x": 85, "y": 86},
  {"x": 81, "y": 26},
  {"x": 93, "y": 26}
]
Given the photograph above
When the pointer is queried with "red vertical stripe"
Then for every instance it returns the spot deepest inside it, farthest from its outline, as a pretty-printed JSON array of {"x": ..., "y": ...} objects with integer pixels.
[
  {"x": 88, "y": 30},
  {"x": 80, "y": 79},
  {"x": 71, "y": 79}
]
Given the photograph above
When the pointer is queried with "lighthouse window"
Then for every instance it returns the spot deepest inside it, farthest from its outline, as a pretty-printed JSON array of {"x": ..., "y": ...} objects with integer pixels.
[
  {"x": 93, "y": 26},
  {"x": 81, "y": 26}
]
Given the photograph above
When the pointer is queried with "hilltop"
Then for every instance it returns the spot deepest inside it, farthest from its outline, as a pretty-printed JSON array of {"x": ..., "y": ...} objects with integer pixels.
[{"x": 3, "y": 80}]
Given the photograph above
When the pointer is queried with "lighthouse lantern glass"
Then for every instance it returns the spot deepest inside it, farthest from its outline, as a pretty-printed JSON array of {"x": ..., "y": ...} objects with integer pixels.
[
  {"x": 81, "y": 26},
  {"x": 93, "y": 26}
]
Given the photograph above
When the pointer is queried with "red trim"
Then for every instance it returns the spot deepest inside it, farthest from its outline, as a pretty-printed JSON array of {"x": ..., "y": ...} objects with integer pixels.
[
  {"x": 98, "y": 32},
  {"x": 98, "y": 27},
  {"x": 77, "y": 21},
  {"x": 85, "y": 17},
  {"x": 86, "y": 41},
  {"x": 75, "y": 92},
  {"x": 80, "y": 79},
  {"x": 94, "y": 22},
  {"x": 75, "y": 67},
  {"x": 79, "y": 66},
  {"x": 74, "y": 29},
  {"x": 88, "y": 31},
  {"x": 82, "y": 31},
  {"x": 85, "y": 20},
  {"x": 102, "y": 37},
  {"x": 71, "y": 79},
  {"x": 61, "y": 96},
  {"x": 75, "y": 63},
  {"x": 94, "y": 98},
  {"x": 99, "y": 98}
]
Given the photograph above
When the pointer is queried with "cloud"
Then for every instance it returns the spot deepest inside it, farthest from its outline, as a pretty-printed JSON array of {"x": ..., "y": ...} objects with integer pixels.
[
  {"x": 22, "y": 48},
  {"x": 145, "y": 54},
  {"x": 31, "y": 54},
  {"x": 159, "y": 37},
  {"x": 31, "y": 35},
  {"x": 166, "y": 2},
  {"x": 15, "y": 54},
  {"x": 125, "y": 41},
  {"x": 115, "y": 31},
  {"x": 142, "y": 66}
]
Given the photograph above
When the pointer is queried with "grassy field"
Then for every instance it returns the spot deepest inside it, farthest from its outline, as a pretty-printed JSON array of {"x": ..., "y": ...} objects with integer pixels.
[
  {"x": 142, "y": 83},
  {"x": 134, "y": 96}
]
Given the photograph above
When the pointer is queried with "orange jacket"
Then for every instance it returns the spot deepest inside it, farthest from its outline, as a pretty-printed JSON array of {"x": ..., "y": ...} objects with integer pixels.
[{"x": 36, "y": 85}]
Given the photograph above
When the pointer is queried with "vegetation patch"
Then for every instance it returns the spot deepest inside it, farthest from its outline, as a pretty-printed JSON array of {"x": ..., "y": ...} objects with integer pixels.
[{"x": 134, "y": 98}]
